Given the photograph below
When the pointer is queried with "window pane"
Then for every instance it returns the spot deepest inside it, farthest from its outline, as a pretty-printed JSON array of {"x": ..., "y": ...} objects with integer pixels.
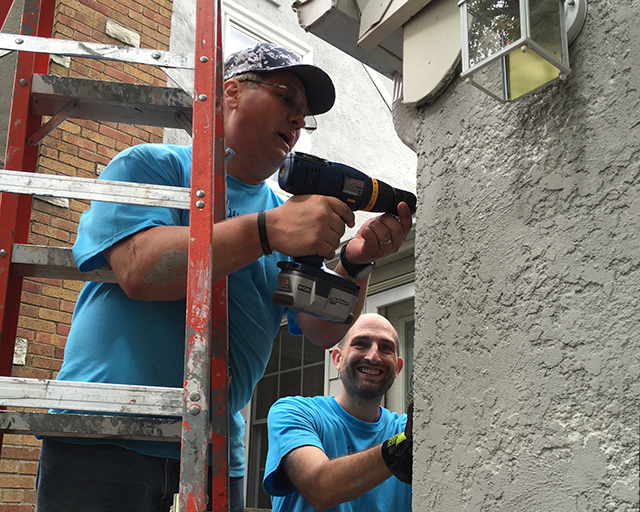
[
  {"x": 238, "y": 39},
  {"x": 289, "y": 383},
  {"x": 313, "y": 380},
  {"x": 266, "y": 394},
  {"x": 312, "y": 352},
  {"x": 264, "y": 501},
  {"x": 290, "y": 351}
]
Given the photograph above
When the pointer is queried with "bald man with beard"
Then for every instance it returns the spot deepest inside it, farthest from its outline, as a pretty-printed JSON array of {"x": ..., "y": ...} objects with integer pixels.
[{"x": 344, "y": 453}]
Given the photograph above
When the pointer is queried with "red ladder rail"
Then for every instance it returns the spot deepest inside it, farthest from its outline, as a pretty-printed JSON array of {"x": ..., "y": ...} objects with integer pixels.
[
  {"x": 206, "y": 415},
  {"x": 5, "y": 7},
  {"x": 15, "y": 209}
]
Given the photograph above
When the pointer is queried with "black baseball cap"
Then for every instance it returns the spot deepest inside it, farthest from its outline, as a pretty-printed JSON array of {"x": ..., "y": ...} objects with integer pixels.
[{"x": 265, "y": 57}]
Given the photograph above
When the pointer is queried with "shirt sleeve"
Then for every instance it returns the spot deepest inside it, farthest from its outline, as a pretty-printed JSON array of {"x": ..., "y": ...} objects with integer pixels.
[
  {"x": 105, "y": 224},
  {"x": 291, "y": 424}
]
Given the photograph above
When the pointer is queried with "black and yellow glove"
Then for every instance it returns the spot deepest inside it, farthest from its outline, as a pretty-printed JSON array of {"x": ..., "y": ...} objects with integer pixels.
[{"x": 397, "y": 451}]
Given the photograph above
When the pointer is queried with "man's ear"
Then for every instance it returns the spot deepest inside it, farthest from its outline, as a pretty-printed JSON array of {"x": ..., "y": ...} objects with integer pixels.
[
  {"x": 231, "y": 93},
  {"x": 336, "y": 357},
  {"x": 400, "y": 365}
]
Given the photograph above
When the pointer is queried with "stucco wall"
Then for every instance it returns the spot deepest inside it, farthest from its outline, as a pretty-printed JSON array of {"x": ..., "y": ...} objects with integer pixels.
[{"x": 528, "y": 288}]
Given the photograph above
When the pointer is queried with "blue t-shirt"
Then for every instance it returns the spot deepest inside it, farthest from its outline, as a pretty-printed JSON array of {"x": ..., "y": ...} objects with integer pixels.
[
  {"x": 118, "y": 340},
  {"x": 320, "y": 421}
]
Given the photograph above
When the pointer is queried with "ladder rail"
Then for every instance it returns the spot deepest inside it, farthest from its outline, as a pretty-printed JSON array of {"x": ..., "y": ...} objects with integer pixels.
[
  {"x": 15, "y": 210},
  {"x": 206, "y": 359},
  {"x": 5, "y": 7},
  {"x": 205, "y": 367}
]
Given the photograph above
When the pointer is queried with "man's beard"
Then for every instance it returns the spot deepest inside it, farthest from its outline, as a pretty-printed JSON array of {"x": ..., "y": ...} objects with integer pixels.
[{"x": 366, "y": 392}]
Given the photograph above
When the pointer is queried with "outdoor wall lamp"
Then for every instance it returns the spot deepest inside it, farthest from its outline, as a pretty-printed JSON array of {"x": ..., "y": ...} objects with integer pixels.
[{"x": 511, "y": 48}]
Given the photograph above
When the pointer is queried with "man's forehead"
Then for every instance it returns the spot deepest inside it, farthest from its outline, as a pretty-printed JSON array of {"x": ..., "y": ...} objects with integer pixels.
[{"x": 376, "y": 332}]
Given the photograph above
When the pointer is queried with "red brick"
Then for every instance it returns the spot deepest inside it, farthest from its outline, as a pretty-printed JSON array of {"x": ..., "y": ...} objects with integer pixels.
[
  {"x": 51, "y": 339},
  {"x": 83, "y": 144},
  {"x": 48, "y": 281},
  {"x": 64, "y": 224},
  {"x": 119, "y": 75},
  {"x": 40, "y": 217},
  {"x": 15, "y": 508},
  {"x": 88, "y": 124},
  {"x": 96, "y": 6},
  {"x": 38, "y": 300},
  {"x": 67, "y": 306},
  {"x": 74, "y": 25},
  {"x": 20, "y": 453},
  {"x": 115, "y": 134},
  {"x": 109, "y": 153},
  {"x": 51, "y": 209},
  {"x": 30, "y": 286},
  {"x": 41, "y": 349},
  {"x": 94, "y": 157},
  {"x": 50, "y": 232},
  {"x": 46, "y": 363},
  {"x": 38, "y": 239},
  {"x": 30, "y": 373},
  {"x": 28, "y": 335},
  {"x": 63, "y": 329},
  {"x": 28, "y": 310}
]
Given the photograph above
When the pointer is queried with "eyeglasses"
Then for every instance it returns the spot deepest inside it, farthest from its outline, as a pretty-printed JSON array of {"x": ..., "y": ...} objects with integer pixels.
[{"x": 293, "y": 103}]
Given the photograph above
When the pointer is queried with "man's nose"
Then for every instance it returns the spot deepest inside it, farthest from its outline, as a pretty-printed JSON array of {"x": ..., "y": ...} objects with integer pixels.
[
  {"x": 297, "y": 119},
  {"x": 373, "y": 354}
]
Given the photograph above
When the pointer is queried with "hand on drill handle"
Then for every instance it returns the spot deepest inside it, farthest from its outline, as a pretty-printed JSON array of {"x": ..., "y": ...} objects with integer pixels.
[
  {"x": 308, "y": 224},
  {"x": 314, "y": 224},
  {"x": 380, "y": 236}
]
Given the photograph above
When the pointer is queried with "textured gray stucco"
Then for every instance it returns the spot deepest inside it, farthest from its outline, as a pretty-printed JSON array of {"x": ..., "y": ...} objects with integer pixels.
[{"x": 528, "y": 288}]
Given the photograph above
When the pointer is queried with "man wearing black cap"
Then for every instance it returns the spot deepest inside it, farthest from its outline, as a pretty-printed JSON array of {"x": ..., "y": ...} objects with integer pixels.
[{"x": 132, "y": 332}]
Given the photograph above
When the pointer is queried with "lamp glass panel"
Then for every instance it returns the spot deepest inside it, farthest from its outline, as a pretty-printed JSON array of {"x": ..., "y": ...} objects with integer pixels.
[
  {"x": 544, "y": 20},
  {"x": 491, "y": 79},
  {"x": 492, "y": 25},
  {"x": 528, "y": 71}
]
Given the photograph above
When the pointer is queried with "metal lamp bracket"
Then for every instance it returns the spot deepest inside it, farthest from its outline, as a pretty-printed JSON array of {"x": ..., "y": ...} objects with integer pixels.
[{"x": 575, "y": 14}]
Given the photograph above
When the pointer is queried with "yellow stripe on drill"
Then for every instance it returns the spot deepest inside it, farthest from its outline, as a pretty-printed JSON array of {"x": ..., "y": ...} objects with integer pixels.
[{"x": 374, "y": 196}]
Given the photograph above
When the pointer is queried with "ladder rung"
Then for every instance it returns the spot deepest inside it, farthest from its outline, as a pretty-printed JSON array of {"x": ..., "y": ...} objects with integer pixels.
[
  {"x": 96, "y": 51},
  {"x": 18, "y": 182},
  {"x": 99, "y": 100},
  {"x": 54, "y": 263},
  {"x": 140, "y": 428},
  {"x": 90, "y": 396}
]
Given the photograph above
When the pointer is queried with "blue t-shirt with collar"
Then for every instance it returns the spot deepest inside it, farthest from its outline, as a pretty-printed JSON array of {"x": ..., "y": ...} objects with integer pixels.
[
  {"x": 320, "y": 421},
  {"x": 118, "y": 340}
]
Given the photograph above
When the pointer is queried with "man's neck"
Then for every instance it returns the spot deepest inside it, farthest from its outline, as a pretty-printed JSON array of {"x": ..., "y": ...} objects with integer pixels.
[
  {"x": 364, "y": 410},
  {"x": 246, "y": 172}
]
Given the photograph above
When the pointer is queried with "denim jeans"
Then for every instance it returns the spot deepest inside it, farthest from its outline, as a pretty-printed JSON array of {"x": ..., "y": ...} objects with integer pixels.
[{"x": 108, "y": 478}]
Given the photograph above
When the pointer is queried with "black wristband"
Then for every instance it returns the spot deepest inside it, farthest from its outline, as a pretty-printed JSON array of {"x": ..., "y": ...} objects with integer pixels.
[{"x": 262, "y": 231}]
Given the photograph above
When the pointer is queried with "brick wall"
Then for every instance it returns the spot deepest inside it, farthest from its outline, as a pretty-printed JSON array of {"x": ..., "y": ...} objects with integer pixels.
[{"x": 77, "y": 148}]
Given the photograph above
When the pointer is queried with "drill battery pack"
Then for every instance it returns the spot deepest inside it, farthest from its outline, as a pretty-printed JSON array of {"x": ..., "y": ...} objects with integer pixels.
[{"x": 317, "y": 291}]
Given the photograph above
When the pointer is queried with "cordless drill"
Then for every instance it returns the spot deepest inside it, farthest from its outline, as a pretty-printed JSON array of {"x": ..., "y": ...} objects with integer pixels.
[{"x": 304, "y": 284}]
